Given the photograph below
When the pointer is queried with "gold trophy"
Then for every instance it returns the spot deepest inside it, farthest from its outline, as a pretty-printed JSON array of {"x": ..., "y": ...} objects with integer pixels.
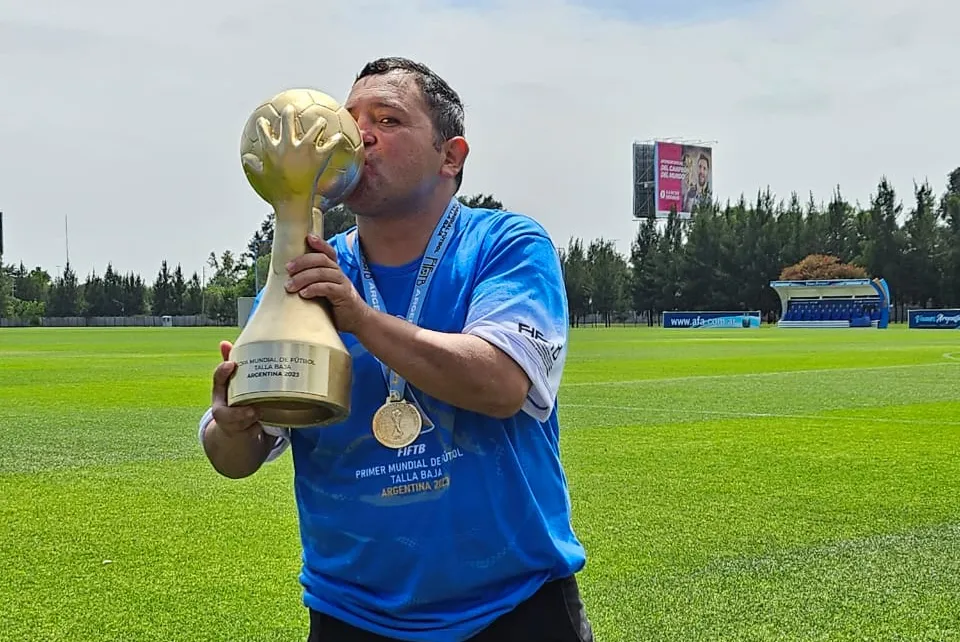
[{"x": 302, "y": 153}]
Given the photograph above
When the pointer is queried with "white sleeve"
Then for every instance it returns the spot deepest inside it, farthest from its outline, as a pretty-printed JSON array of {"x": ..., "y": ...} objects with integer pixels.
[
  {"x": 542, "y": 360},
  {"x": 282, "y": 435}
]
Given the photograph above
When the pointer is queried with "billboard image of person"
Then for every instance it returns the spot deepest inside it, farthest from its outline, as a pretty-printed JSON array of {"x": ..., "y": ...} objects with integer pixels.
[{"x": 684, "y": 177}]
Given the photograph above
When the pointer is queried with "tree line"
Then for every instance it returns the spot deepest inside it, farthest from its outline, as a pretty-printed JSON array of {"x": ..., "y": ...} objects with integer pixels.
[
  {"x": 723, "y": 258},
  {"x": 28, "y": 295}
]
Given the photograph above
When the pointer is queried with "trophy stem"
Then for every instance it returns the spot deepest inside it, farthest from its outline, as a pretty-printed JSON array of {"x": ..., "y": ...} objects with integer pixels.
[{"x": 293, "y": 220}]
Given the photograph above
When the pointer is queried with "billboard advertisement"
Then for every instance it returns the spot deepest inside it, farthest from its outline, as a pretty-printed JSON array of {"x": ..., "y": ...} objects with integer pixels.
[
  {"x": 700, "y": 320},
  {"x": 934, "y": 319},
  {"x": 684, "y": 177}
]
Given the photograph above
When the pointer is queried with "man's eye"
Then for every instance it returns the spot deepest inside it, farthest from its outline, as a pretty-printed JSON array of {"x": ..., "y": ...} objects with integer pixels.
[{"x": 388, "y": 121}]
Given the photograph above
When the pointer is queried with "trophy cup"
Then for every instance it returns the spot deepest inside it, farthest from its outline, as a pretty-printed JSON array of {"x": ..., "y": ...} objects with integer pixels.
[{"x": 302, "y": 153}]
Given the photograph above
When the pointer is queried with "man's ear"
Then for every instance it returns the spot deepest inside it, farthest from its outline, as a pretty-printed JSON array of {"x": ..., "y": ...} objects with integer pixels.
[{"x": 455, "y": 151}]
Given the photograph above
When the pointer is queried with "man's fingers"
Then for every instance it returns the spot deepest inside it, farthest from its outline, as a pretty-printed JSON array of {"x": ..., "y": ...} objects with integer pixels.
[
  {"x": 310, "y": 260},
  {"x": 318, "y": 244},
  {"x": 301, "y": 280},
  {"x": 220, "y": 378},
  {"x": 235, "y": 419},
  {"x": 320, "y": 291}
]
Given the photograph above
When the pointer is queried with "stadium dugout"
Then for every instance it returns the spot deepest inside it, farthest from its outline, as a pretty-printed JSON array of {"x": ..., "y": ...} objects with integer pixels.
[{"x": 835, "y": 303}]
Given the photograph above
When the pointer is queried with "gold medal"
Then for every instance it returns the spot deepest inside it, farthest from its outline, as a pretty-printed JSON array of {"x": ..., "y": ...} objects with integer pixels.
[{"x": 397, "y": 424}]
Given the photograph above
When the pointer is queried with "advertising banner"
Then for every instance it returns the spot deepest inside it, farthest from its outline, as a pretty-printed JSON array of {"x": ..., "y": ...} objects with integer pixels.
[
  {"x": 947, "y": 319},
  {"x": 697, "y": 320},
  {"x": 684, "y": 177}
]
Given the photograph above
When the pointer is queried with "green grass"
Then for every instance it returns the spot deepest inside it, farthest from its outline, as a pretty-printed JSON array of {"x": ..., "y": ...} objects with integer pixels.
[{"x": 728, "y": 485}]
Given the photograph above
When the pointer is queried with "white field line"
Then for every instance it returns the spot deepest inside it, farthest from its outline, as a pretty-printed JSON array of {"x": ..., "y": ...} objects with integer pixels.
[
  {"x": 761, "y": 415},
  {"x": 955, "y": 358}
]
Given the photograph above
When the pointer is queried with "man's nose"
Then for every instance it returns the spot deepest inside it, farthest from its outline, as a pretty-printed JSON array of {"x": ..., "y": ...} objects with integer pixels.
[{"x": 366, "y": 131}]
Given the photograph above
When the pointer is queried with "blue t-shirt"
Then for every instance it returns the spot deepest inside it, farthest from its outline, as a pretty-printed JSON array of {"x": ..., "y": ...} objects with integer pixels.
[{"x": 436, "y": 540}]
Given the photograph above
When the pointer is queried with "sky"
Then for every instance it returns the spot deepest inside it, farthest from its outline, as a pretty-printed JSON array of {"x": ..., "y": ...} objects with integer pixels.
[{"x": 125, "y": 117}]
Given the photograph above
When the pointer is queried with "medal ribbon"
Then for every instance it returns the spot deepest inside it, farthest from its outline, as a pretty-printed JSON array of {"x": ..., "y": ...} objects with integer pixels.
[{"x": 431, "y": 258}]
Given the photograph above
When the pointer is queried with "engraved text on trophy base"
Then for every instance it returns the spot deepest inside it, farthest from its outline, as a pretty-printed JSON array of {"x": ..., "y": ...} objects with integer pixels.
[{"x": 294, "y": 384}]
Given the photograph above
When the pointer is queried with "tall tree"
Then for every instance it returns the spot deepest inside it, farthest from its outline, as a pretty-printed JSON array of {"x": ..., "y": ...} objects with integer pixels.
[
  {"x": 262, "y": 240},
  {"x": 134, "y": 294},
  {"x": 193, "y": 299},
  {"x": 881, "y": 239},
  {"x": 163, "y": 303},
  {"x": 839, "y": 228},
  {"x": 32, "y": 285},
  {"x": 643, "y": 260},
  {"x": 950, "y": 256},
  {"x": 667, "y": 264},
  {"x": 577, "y": 280},
  {"x": 113, "y": 295},
  {"x": 220, "y": 299},
  {"x": 6, "y": 291},
  {"x": 791, "y": 231},
  {"x": 609, "y": 278},
  {"x": 94, "y": 302},
  {"x": 65, "y": 298},
  {"x": 922, "y": 241},
  {"x": 178, "y": 290}
]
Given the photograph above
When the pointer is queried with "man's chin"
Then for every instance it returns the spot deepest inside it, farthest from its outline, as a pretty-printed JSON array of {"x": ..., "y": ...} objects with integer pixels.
[
  {"x": 357, "y": 196},
  {"x": 362, "y": 202}
]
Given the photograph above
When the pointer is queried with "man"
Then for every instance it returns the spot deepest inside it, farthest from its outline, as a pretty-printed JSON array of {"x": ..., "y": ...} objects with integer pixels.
[
  {"x": 700, "y": 186},
  {"x": 464, "y": 532}
]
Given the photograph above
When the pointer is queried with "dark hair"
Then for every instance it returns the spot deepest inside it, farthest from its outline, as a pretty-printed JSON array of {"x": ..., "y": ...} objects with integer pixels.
[{"x": 443, "y": 103}]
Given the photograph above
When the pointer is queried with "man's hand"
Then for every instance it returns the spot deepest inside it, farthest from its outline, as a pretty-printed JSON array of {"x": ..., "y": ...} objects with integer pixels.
[
  {"x": 231, "y": 421},
  {"x": 234, "y": 441},
  {"x": 317, "y": 274}
]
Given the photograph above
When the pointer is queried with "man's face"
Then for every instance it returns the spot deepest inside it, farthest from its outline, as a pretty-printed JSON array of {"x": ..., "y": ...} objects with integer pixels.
[
  {"x": 703, "y": 172},
  {"x": 403, "y": 163}
]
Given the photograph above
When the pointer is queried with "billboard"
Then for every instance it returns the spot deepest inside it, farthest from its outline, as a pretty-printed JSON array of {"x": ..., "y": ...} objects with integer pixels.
[
  {"x": 713, "y": 319},
  {"x": 684, "y": 177},
  {"x": 934, "y": 319},
  {"x": 670, "y": 176}
]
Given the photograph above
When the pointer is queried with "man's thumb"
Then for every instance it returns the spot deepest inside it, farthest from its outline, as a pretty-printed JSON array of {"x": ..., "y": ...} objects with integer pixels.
[{"x": 220, "y": 378}]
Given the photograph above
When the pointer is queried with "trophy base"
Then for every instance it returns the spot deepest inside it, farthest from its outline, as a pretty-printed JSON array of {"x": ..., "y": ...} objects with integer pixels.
[
  {"x": 293, "y": 384},
  {"x": 295, "y": 411}
]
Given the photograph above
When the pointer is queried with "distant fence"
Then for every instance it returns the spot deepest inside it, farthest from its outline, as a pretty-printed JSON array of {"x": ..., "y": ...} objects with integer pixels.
[{"x": 193, "y": 320}]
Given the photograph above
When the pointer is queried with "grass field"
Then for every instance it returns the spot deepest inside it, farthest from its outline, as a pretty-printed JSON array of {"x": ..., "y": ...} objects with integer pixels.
[{"x": 728, "y": 485}]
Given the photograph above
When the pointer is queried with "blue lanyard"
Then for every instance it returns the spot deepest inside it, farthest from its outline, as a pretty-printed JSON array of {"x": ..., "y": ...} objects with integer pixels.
[{"x": 431, "y": 259}]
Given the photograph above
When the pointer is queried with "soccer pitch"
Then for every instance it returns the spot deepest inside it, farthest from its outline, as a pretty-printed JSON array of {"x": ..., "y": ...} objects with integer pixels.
[{"x": 728, "y": 484}]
